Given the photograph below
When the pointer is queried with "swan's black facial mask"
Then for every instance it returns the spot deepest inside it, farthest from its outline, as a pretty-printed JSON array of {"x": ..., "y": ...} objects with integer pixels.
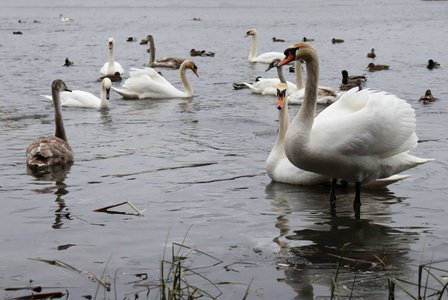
[{"x": 291, "y": 51}]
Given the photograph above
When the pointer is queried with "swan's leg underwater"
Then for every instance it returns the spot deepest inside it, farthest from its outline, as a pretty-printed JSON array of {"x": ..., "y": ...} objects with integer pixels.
[
  {"x": 357, "y": 201},
  {"x": 333, "y": 192}
]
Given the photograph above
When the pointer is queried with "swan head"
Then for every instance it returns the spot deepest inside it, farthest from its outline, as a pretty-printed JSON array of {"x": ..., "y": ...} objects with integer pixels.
[
  {"x": 59, "y": 86},
  {"x": 111, "y": 43},
  {"x": 107, "y": 84},
  {"x": 192, "y": 66},
  {"x": 251, "y": 32},
  {"x": 300, "y": 51},
  {"x": 281, "y": 95},
  {"x": 274, "y": 63}
]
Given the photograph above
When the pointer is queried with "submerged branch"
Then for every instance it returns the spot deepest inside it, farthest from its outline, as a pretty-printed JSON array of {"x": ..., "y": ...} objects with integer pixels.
[{"x": 106, "y": 208}]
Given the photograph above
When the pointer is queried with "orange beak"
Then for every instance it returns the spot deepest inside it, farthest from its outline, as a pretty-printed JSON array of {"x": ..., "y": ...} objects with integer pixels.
[
  {"x": 195, "y": 70},
  {"x": 286, "y": 60},
  {"x": 281, "y": 99},
  {"x": 246, "y": 35}
]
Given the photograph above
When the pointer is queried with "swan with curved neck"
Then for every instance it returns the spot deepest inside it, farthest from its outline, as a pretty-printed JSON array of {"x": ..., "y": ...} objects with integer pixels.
[
  {"x": 166, "y": 62},
  {"x": 47, "y": 151},
  {"x": 268, "y": 86},
  {"x": 147, "y": 83},
  {"x": 78, "y": 98},
  {"x": 111, "y": 66},
  {"x": 363, "y": 136},
  {"x": 280, "y": 169},
  {"x": 266, "y": 57},
  {"x": 63, "y": 19}
]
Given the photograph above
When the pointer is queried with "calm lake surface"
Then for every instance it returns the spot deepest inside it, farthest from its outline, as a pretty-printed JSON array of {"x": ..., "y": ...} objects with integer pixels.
[{"x": 195, "y": 167}]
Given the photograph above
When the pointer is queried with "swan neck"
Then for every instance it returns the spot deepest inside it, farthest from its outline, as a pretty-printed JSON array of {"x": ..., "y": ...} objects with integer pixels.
[
  {"x": 307, "y": 111},
  {"x": 111, "y": 66},
  {"x": 299, "y": 74},
  {"x": 280, "y": 74},
  {"x": 103, "y": 94},
  {"x": 253, "y": 48},
  {"x": 183, "y": 78},
  {"x": 58, "y": 121},
  {"x": 283, "y": 119},
  {"x": 152, "y": 51}
]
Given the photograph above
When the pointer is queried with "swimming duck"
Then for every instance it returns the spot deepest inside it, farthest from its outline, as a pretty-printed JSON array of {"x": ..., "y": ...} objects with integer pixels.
[
  {"x": 352, "y": 78},
  {"x": 336, "y": 41},
  {"x": 371, "y": 54},
  {"x": 349, "y": 86},
  {"x": 428, "y": 97},
  {"x": 373, "y": 67},
  {"x": 113, "y": 77},
  {"x": 274, "y": 39},
  {"x": 305, "y": 39},
  {"x": 432, "y": 64},
  {"x": 194, "y": 52},
  {"x": 68, "y": 63}
]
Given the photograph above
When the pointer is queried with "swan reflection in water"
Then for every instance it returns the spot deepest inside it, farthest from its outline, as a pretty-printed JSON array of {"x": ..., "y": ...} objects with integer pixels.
[
  {"x": 312, "y": 237},
  {"x": 56, "y": 173}
]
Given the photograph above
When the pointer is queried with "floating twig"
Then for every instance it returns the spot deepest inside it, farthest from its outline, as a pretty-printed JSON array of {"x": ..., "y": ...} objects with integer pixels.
[
  {"x": 49, "y": 295},
  {"x": 106, "y": 208},
  {"x": 71, "y": 268}
]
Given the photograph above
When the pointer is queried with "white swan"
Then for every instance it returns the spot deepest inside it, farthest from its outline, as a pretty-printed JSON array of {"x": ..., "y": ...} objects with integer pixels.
[
  {"x": 266, "y": 57},
  {"x": 147, "y": 83},
  {"x": 363, "y": 136},
  {"x": 268, "y": 86},
  {"x": 51, "y": 150},
  {"x": 78, "y": 98},
  {"x": 111, "y": 66},
  {"x": 65, "y": 19},
  {"x": 166, "y": 62},
  {"x": 280, "y": 169}
]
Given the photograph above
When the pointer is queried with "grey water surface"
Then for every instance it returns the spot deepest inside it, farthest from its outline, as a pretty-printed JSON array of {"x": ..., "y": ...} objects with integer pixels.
[{"x": 195, "y": 167}]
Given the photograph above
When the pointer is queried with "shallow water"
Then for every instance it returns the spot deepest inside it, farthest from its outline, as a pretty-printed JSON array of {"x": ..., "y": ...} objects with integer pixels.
[{"x": 195, "y": 166}]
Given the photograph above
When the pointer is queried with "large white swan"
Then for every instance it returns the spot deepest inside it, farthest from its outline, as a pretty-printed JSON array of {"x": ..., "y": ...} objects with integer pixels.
[
  {"x": 166, "y": 62},
  {"x": 268, "y": 86},
  {"x": 280, "y": 169},
  {"x": 147, "y": 83},
  {"x": 78, "y": 98},
  {"x": 266, "y": 57},
  {"x": 363, "y": 136},
  {"x": 111, "y": 66},
  {"x": 47, "y": 151}
]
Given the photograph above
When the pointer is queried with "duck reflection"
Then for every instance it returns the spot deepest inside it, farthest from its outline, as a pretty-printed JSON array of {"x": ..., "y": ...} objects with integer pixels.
[
  {"x": 311, "y": 251},
  {"x": 58, "y": 174}
]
